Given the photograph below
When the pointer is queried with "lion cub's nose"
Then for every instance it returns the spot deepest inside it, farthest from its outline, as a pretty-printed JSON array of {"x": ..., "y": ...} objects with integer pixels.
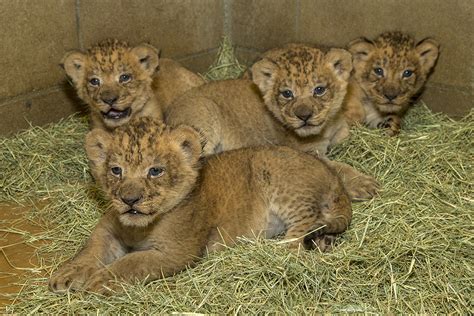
[
  {"x": 390, "y": 97},
  {"x": 110, "y": 100},
  {"x": 303, "y": 113},
  {"x": 131, "y": 200}
]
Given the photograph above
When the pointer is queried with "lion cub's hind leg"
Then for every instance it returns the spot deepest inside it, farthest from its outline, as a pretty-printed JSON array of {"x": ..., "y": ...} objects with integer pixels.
[
  {"x": 311, "y": 203},
  {"x": 314, "y": 223}
]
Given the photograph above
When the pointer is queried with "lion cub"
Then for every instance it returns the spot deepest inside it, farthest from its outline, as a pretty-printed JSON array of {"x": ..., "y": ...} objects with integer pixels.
[
  {"x": 296, "y": 102},
  {"x": 167, "y": 210},
  {"x": 118, "y": 82},
  {"x": 389, "y": 72}
]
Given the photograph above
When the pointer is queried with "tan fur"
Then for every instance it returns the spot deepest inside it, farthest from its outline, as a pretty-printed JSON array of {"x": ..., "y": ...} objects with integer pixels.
[
  {"x": 113, "y": 101},
  {"x": 240, "y": 113},
  {"x": 379, "y": 94},
  {"x": 172, "y": 81},
  {"x": 160, "y": 222}
]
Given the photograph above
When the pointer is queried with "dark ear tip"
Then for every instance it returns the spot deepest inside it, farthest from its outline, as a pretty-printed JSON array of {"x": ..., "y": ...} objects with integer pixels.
[{"x": 61, "y": 65}]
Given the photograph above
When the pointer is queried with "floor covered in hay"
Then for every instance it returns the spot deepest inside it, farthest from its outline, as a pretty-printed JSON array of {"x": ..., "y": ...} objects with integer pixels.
[{"x": 410, "y": 250}]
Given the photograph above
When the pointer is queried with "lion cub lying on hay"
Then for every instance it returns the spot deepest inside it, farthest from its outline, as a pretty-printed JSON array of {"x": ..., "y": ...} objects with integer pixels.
[
  {"x": 167, "y": 210},
  {"x": 119, "y": 82},
  {"x": 295, "y": 100},
  {"x": 389, "y": 72}
]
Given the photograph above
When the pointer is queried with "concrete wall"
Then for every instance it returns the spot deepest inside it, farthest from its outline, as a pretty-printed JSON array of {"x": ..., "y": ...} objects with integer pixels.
[
  {"x": 263, "y": 24},
  {"x": 36, "y": 33}
]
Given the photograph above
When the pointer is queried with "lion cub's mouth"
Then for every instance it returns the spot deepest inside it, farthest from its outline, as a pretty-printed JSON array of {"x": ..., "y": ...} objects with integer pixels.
[
  {"x": 307, "y": 125},
  {"x": 114, "y": 114},
  {"x": 133, "y": 211}
]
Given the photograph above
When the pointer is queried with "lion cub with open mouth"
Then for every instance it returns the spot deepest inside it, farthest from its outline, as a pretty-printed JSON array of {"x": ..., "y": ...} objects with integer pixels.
[
  {"x": 119, "y": 82},
  {"x": 169, "y": 207}
]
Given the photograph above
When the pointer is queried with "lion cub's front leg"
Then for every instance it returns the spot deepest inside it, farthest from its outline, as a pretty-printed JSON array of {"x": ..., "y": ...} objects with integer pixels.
[
  {"x": 101, "y": 249},
  {"x": 392, "y": 124},
  {"x": 147, "y": 265},
  {"x": 358, "y": 185}
]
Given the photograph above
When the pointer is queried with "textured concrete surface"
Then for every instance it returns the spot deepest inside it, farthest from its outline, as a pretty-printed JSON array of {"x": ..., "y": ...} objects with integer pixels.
[
  {"x": 179, "y": 27},
  {"x": 38, "y": 109},
  {"x": 34, "y": 35}
]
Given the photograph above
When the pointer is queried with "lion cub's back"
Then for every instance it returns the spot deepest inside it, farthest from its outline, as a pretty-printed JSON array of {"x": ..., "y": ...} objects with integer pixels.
[
  {"x": 244, "y": 189},
  {"x": 229, "y": 113},
  {"x": 172, "y": 81},
  {"x": 262, "y": 172}
]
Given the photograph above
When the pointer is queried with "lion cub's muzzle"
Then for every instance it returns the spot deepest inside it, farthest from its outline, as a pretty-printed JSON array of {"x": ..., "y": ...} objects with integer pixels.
[
  {"x": 115, "y": 114},
  {"x": 304, "y": 113},
  {"x": 113, "y": 111},
  {"x": 132, "y": 196}
]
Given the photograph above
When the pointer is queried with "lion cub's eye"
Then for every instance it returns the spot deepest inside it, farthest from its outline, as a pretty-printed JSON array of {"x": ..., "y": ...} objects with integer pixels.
[
  {"x": 94, "y": 81},
  {"x": 287, "y": 94},
  {"x": 125, "y": 78},
  {"x": 319, "y": 91},
  {"x": 156, "y": 172},
  {"x": 116, "y": 171},
  {"x": 407, "y": 73},
  {"x": 378, "y": 71}
]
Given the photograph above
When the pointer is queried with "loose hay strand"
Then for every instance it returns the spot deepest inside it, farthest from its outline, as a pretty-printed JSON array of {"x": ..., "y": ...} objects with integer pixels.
[
  {"x": 226, "y": 66},
  {"x": 407, "y": 251}
]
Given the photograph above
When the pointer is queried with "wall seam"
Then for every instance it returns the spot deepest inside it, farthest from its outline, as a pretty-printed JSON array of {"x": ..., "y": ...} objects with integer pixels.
[
  {"x": 228, "y": 19},
  {"x": 78, "y": 24},
  {"x": 297, "y": 20}
]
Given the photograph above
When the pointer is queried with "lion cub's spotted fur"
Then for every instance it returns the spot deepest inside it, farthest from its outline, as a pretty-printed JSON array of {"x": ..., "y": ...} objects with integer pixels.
[
  {"x": 280, "y": 107},
  {"x": 166, "y": 212},
  {"x": 389, "y": 72},
  {"x": 240, "y": 113},
  {"x": 119, "y": 82}
]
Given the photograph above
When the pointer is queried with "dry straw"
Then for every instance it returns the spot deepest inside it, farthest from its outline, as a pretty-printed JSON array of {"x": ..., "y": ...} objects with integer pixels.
[{"x": 410, "y": 250}]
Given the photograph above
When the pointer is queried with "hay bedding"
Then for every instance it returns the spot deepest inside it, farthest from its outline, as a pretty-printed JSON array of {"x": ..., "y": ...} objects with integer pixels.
[{"x": 408, "y": 251}]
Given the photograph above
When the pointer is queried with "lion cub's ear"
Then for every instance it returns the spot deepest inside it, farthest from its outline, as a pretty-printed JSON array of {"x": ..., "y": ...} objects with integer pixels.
[
  {"x": 73, "y": 63},
  {"x": 96, "y": 145},
  {"x": 189, "y": 140},
  {"x": 148, "y": 57},
  {"x": 361, "y": 49},
  {"x": 263, "y": 74},
  {"x": 339, "y": 61},
  {"x": 427, "y": 51}
]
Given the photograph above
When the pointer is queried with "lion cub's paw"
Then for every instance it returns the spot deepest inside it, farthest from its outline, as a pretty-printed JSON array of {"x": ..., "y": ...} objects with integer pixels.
[
  {"x": 363, "y": 187},
  {"x": 392, "y": 125},
  {"x": 102, "y": 282},
  {"x": 324, "y": 242},
  {"x": 70, "y": 277}
]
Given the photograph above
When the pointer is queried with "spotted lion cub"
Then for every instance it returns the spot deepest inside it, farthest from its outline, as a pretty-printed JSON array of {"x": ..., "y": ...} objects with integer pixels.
[
  {"x": 119, "y": 82},
  {"x": 389, "y": 72},
  {"x": 167, "y": 210},
  {"x": 294, "y": 100}
]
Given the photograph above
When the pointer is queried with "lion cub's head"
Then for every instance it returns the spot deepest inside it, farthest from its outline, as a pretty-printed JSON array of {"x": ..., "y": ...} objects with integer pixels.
[
  {"x": 144, "y": 167},
  {"x": 303, "y": 86},
  {"x": 113, "y": 78},
  {"x": 392, "y": 68}
]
